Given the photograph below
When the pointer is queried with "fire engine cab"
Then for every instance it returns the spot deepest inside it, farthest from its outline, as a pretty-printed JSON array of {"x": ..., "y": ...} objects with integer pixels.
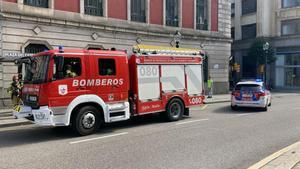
[{"x": 86, "y": 88}]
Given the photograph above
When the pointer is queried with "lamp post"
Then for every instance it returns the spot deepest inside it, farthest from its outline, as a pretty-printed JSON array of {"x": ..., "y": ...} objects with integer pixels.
[
  {"x": 266, "y": 47},
  {"x": 177, "y": 37}
]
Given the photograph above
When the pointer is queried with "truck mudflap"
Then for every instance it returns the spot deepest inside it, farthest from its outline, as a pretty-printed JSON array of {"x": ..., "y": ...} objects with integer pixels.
[{"x": 22, "y": 111}]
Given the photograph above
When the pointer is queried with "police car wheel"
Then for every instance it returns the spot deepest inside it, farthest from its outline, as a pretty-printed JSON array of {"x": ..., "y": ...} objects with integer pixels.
[
  {"x": 265, "y": 108},
  {"x": 233, "y": 107},
  {"x": 175, "y": 110},
  {"x": 87, "y": 120}
]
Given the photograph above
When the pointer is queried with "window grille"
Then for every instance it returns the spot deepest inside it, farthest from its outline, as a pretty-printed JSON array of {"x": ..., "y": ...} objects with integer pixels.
[
  {"x": 172, "y": 13},
  {"x": 37, "y": 3},
  {"x": 93, "y": 7},
  {"x": 138, "y": 10}
]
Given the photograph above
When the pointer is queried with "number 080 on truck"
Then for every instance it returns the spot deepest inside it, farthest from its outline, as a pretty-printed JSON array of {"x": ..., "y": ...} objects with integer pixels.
[{"x": 86, "y": 88}]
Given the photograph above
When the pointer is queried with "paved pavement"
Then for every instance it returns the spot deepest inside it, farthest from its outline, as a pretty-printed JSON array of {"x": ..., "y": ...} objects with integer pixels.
[{"x": 213, "y": 137}]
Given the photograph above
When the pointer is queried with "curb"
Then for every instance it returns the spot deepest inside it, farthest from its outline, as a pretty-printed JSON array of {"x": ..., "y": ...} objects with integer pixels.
[
  {"x": 218, "y": 101},
  {"x": 273, "y": 156},
  {"x": 15, "y": 124}
]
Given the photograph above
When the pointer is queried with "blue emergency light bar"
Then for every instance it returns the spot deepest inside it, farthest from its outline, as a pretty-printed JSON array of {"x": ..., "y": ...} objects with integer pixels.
[{"x": 61, "y": 49}]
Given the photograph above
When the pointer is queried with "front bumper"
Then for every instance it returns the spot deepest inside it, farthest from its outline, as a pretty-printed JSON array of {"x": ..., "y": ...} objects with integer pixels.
[{"x": 43, "y": 116}]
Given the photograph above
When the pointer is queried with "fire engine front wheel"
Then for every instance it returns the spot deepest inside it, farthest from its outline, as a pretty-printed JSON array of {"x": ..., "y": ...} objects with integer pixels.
[
  {"x": 175, "y": 110},
  {"x": 86, "y": 121}
]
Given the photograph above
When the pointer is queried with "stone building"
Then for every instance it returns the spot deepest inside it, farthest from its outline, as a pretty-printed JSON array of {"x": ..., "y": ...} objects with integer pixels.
[
  {"x": 278, "y": 21},
  {"x": 30, "y": 26}
]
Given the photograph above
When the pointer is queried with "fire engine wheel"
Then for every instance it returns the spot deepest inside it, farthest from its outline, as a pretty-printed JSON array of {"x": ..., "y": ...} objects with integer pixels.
[
  {"x": 87, "y": 120},
  {"x": 175, "y": 110}
]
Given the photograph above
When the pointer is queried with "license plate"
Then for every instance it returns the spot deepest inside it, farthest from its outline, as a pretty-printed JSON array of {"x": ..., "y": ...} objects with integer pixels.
[
  {"x": 247, "y": 99},
  {"x": 17, "y": 108},
  {"x": 40, "y": 116}
]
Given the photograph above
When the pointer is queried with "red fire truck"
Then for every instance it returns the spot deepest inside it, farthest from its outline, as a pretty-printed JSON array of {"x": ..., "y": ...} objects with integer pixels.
[{"x": 85, "y": 88}]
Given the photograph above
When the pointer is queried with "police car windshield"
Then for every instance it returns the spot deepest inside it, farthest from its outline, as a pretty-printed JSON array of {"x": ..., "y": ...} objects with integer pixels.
[
  {"x": 36, "y": 71},
  {"x": 249, "y": 87}
]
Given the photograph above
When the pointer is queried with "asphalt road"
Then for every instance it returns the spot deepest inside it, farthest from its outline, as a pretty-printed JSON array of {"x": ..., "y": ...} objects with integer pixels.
[{"x": 213, "y": 138}]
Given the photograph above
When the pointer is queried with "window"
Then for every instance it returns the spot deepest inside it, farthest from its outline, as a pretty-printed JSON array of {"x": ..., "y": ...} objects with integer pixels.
[
  {"x": 248, "y": 6},
  {"x": 35, "y": 48},
  {"x": 290, "y": 3},
  {"x": 249, "y": 31},
  {"x": 233, "y": 33},
  {"x": 290, "y": 27},
  {"x": 107, "y": 67},
  {"x": 37, "y": 3},
  {"x": 71, "y": 68},
  {"x": 93, "y": 7},
  {"x": 138, "y": 10},
  {"x": 201, "y": 15},
  {"x": 172, "y": 13},
  {"x": 232, "y": 9}
]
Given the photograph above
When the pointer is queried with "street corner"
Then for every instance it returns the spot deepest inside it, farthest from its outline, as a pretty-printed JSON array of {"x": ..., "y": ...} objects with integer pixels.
[{"x": 286, "y": 158}]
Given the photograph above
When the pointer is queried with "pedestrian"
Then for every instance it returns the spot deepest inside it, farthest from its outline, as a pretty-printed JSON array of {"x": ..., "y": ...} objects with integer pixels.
[
  {"x": 15, "y": 90},
  {"x": 210, "y": 87}
]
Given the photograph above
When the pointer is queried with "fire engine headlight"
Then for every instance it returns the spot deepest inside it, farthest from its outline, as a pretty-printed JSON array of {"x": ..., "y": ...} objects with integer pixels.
[{"x": 32, "y": 98}]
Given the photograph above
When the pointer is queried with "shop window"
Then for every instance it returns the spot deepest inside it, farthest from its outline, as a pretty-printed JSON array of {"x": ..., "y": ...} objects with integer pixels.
[
  {"x": 290, "y": 3},
  {"x": 249, "y": 31},
  {"x": 138, "y": 10},
  {"x": 93, "y": 7},
  {"x": 201, "y": 15},
  {"x": 37, "y": 3},
  {"x": 107, "y": 67},
  {"x": 290, "y": 27},
  {"x": 249, "y": 6},
  {"x": 172, "y": 13}
]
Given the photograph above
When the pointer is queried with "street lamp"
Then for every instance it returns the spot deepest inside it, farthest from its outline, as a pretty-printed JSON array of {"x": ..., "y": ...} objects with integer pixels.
[
  {"x": 266, "y": 47},
  {"x": 177, "y": 37}
]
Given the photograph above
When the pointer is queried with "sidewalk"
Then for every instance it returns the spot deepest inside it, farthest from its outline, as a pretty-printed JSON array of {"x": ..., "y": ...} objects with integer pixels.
[
  {"x": 287, "y": 158},
  {"x": 220, "y": 98},
  {"x": 7, "y": 119}
]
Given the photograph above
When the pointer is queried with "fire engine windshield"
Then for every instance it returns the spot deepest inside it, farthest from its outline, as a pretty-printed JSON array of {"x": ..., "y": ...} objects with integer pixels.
[{"x": 36, "y": 71}]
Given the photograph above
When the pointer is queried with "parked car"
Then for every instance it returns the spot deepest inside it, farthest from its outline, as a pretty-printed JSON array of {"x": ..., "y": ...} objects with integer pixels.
[{"x": 250, "y": 93}]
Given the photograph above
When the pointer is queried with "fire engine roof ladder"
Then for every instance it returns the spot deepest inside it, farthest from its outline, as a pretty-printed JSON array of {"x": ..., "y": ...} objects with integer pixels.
[{"x": 150, "y": 50}]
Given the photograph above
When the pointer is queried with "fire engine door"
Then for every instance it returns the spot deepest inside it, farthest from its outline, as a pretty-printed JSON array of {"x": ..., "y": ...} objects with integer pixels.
[
  {"x": 111, "y": 78},
  {"x": 72, "y": 84}
]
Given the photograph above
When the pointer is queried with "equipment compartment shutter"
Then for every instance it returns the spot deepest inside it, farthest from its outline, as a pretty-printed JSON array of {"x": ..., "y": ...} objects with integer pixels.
[
  {"x": 194, "y": 79},
  {"x": 148, "y": 82},
  {"x": 172, "y": 77}
]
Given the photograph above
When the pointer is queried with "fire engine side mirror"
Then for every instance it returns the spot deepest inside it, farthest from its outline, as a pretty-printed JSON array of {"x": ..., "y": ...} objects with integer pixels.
[{"x": 59, "y": 61}]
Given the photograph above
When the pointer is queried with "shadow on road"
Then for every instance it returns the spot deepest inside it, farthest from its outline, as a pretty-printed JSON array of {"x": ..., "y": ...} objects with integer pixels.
[
  {"x": 227, "y": 110},
  {"x": 36, "y": 134}
]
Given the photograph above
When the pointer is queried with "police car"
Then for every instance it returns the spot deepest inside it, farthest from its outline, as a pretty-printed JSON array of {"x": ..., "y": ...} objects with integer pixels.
[{"x": 250, "y": 93}]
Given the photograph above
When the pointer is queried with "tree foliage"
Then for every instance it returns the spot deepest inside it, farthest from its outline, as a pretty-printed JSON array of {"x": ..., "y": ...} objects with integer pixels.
[{"x": 257, "y": 52}]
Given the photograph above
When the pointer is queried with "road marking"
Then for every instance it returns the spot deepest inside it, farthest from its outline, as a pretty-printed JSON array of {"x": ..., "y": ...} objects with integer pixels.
[
  {"x": 273, "y": 156},
  {"x": 245, "y": 114},
  {"x": 192, "y": 121},
  {"x": 98, "y": 138},
  {"x": 204, "y": 107}
]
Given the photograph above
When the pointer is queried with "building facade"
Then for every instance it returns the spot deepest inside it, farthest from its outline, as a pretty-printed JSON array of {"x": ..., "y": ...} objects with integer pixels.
[
  {"x": 277, "y": 21},
  {"x": 31, "y": 26}
]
